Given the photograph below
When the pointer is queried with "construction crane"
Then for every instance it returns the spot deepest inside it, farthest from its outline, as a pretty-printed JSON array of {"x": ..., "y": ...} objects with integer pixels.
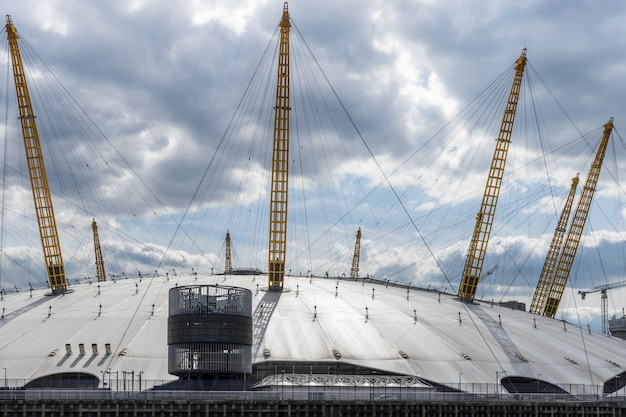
[
  {"x": 100, "y": 274},
  {"x": 228, "y": 267},
  {"x": 37, "y": 170},
  {"x": 354, "y": 272},
  {"x": 604, "y": 310},
  {"x": 566, "y": 260},
  {"x": 484, "y": 219},
  {"x": 547, "y": 272},
  {"x": 280, "y": 163}
]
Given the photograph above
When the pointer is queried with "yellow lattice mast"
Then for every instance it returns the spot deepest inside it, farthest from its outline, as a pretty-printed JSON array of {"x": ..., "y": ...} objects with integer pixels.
[
  {"x": 228, "y": 264},
  {"x": 100, "y": 273},
  {"x": 354, "y": 272},
  {"x": 280, "y": 164},
  {"x": 547, "y": 272},
  {"x": 37, "y": 171},
  {"x": 566, "y": 260},
  {"x": 484, "y": 219}
]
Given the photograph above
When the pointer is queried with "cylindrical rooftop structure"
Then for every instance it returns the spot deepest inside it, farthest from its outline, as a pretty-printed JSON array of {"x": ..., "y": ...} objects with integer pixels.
[{"x": 209, "y": 330}]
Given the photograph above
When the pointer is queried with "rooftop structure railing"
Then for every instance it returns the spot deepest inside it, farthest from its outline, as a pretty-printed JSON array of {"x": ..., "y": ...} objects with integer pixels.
[{"x": 318, "y": 393}]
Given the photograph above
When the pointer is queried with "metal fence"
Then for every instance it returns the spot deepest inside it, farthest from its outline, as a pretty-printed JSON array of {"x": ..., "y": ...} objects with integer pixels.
[{"x": 329, "y": 394}]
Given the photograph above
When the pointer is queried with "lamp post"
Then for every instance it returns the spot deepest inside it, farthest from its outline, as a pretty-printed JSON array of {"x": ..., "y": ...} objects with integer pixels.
[
  {"x": 497, "y": 384},
  {"x": 498, "y": 381},
  {"x": 282, "y": 395},
  {"x": 460, "y": 373}
]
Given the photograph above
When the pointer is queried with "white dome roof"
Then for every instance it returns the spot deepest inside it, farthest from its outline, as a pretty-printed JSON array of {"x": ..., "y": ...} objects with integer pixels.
[{"x": 368, "y": 324}]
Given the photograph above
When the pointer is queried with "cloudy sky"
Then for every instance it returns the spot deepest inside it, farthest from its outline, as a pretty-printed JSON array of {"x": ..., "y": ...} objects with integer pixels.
[{"x": 155, "y": 118}]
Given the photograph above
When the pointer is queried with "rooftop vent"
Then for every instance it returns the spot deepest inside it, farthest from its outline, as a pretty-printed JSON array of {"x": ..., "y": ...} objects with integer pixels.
[
  {"x": 123, "y": 352},
  {"x": 336, "y": 354},
  {"x": 465, "y": 356},
  {"x": 570, "y": 360},
  {"x": 94, "y": 348},
  {"x": 107, "y": 348},
  {"x": 612, "y": 363},
  {"x": 81, "y": 349},
  {"x": 54, "y": 352},
  {"x": 266, "y": 353},
  {"x": 68, "y": 348},
  {"x": 403, "y": 354}
]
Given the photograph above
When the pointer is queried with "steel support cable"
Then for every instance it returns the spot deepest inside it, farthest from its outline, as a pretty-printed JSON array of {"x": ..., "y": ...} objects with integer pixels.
[
  {"x": 582, "y": 339},
  {"x": 602, "y": 267},
  {"x": 224, "y": 162},
  {"x": 313, "y": 118},
  {"x": 376, "y": 187},
  {"x": 256, "y": 88},
  {"x": 296, "y": 119},
  {"x": 386, "y": 177},
  {"x": 557, "y": 102},
  {"x": 345, "y": 214},
  {"x": 47, "y": 94},
  {"x": 91, "y": 126},
  {"x": 67, "y": 127},
  {"x": 298, "y": 126},
  {"x": 586, "y": 141},
  {"x": 389, "y": 184},
  {"x": 537, "y": 112},
  {"x": 98, "y": 131},
  {"x": 54, "y": 95},
  {"x": 206, "y": 171},
  {"x": 307, "y": 237},
  {"x": 502, "y": 218},
  {"x": 260, "y": 88},
  {"x": 264, "y": 125},
  {"x": 66, "y": 124},
  {"x": 620, "y": 203},
  {"x": 201, "y": 189},
  {"x": 480, "y": 110},
  {"x": 51, "y": 137},
  {"x": 575, "y": 126},
  {"x": 364, "y": 199},
  {"x": 69, "y": 203},
  {"x": 577, "y": 313},
  {"x": 3, "y": 209}
]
